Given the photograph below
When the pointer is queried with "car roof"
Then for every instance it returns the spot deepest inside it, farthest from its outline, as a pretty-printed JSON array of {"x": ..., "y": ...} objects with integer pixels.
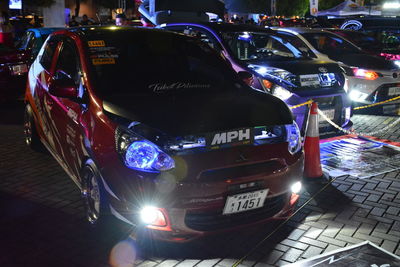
[
  {"x": 223, "y": 26},
  {"x": 300, "y": 29},
  {"x": 89, "y": 32},
  {"x": 93, "y": 32}
]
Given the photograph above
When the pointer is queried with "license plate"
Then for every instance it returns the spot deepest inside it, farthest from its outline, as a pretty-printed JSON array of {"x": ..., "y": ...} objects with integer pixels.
[
  {"x": 330, "y": 113},
  {"x": 246, "y": 201},
  {"x": 309, "y": 79},
  {"x": 19, "y": 69},
  {"x": 394, "y": 91}
]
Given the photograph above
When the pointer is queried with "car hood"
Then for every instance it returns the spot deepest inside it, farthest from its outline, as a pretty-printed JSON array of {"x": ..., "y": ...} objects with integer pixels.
[
  {"x": 300, "y": 67},
  {"x": 186, "y": 114},
  {"x": 365, "y": 61}
]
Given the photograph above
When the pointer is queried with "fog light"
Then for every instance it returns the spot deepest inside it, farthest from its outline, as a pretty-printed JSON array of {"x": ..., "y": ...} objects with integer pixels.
[
  {"x": 282, "y": 93},
  {"x": 296, "y": 187},
  {"x": 152, "y": 216},
  {"x": 357, "y": 96}
]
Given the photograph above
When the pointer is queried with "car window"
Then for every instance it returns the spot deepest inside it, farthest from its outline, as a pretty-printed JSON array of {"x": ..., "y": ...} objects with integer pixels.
[
  {"x": 25, "y": 41},
  {"x": 297, "y": 42},
  {"x": 202, "y": 34},
  {"x": 48, "y": 52},
  {"x": 259, "y": 45},
  {"x": 330, "y": 44},
  {"x": 68, "y": 61}
]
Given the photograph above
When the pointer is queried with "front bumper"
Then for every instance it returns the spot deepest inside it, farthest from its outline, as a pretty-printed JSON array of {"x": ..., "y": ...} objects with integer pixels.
[{"x": 191, "y": 218}]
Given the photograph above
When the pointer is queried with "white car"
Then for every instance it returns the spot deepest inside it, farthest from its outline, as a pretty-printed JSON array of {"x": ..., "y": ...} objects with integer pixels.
[{"x": 370, "y": 78}]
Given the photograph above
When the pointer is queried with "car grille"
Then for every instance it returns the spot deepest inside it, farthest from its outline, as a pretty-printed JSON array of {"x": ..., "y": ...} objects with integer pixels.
[
  {"x": 215, "y": 220},
  {"x": 240, "y": 171}
]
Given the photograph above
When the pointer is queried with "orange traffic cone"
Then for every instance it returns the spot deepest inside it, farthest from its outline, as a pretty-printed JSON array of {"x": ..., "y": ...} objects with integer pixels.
[{"x": 312, "y": 158}]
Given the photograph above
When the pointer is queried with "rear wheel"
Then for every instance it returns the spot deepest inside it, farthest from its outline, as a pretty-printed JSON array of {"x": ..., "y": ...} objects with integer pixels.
[{"x": 31, "y": 135}]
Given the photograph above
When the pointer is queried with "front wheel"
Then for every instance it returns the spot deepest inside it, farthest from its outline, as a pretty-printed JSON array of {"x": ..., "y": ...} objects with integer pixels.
[{"x": 94, "y": 198}]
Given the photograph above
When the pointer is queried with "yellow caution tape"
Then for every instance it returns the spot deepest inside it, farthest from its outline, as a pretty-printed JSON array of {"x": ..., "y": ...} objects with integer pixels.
[
  {"x": 309, "y": 102},
  {"x": 379, "y": 103}
]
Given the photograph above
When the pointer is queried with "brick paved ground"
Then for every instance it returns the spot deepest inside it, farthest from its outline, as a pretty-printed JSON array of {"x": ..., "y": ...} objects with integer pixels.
[{"x": 42, "y": 217}]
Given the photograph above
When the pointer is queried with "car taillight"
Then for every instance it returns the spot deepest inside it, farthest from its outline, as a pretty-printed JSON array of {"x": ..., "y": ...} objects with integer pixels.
[{"x": 366, "y": 74}]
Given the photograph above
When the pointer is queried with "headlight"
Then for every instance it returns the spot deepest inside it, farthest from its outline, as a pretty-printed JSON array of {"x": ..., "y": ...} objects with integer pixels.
[
  {"x": 357, "y": 96},
  {"x": 365, "y": 74},
  {"x": 270, "y": 71},
  {"x": 281, "y": 92},
  {"x": 143, "y": 155},
  {"x": 397, "y": 62},
  {"x": 293, "y": 138}
]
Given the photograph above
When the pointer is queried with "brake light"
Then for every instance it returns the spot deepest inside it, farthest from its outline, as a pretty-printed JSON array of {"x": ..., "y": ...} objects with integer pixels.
[{"x": 366, "y": 74}]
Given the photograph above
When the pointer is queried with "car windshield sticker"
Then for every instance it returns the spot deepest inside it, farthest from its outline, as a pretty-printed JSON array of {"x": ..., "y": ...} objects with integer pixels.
[
  {"x": 103, "y": 61},
  {"x": 162, "y": 87},
  {"x": 243, "y": 136},
  {"x": 97, "y": 43},
  {"x": 103, "y": 55}
]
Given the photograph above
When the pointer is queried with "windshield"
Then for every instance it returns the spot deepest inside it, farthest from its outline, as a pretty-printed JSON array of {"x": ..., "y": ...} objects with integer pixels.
[
  {"x": 258, "y": 45},
  {"x": 330, "y": 44},
  {"x": 152, "y": 62},
  {"x": 360, "y": 39}
]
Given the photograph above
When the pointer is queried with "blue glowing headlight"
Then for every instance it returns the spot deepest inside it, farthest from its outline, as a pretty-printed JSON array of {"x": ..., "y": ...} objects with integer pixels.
[
  {"x": 144, "y": 155},
  {"x": 140, "y": 154},
  {"x": 293, "y": 138}
]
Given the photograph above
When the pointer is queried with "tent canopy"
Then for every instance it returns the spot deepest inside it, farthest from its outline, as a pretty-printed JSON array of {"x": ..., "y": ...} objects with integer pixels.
[{"x": 348, "y": 8}]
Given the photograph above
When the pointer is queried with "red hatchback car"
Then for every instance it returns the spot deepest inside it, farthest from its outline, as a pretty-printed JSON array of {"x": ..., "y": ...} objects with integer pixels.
[{"x": 156, "y": 129}]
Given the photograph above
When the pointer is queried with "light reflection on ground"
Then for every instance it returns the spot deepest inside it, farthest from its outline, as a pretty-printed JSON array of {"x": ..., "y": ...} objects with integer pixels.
[{"x": 123, "y": 254}]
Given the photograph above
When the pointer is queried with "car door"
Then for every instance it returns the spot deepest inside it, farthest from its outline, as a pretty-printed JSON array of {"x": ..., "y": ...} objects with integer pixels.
[
  {"x": 42, "y": 75},
  {"x": 67, "y": 113}
]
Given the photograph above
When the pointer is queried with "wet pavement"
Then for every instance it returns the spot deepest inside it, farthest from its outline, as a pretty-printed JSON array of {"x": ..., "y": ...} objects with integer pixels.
[{"x": 43, "y": 223}]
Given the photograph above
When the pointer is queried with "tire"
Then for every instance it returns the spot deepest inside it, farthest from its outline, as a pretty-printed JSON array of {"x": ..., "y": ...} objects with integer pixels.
[
  {"x": 32, "y": 138},
  {"x": 94, "y": 197}
]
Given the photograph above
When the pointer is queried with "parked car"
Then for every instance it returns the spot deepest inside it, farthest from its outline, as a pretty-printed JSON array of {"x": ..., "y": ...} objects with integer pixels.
[
  {"x": 280, "y": 67},
  {"x": 177, "y": 145},
  {"x": 385, "y": 47},
  {"x": 370, "y": 78},
  {"x": 14, "y": 63}
]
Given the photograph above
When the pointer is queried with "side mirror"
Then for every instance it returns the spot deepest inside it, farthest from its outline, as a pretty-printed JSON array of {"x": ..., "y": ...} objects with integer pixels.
[
  {"x": 63, "y": 86},
  {"x": 246, "y": 77}
]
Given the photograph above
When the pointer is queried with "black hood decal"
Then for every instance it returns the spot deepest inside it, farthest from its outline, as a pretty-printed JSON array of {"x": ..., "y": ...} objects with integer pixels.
[{"x": 186, "y": 114}]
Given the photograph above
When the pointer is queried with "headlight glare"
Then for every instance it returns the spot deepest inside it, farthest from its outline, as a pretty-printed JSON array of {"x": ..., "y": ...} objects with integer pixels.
[
  {"x": 357, "y": 96},
  {"x": 296, "y": 187},
  {"x": 281, "y": 92},
  {"x": 152, "y": 216},
  {"x": 270, "y": 71}
]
